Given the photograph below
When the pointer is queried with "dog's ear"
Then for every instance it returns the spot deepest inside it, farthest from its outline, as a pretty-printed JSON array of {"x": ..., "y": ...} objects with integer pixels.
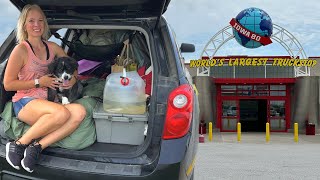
[
  {"x": 73, "y": 63},
  {"x": 53, "y": 65}
]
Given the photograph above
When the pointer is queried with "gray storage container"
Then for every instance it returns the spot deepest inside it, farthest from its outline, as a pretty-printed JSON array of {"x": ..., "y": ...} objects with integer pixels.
[{"x": 119, "y": 128}]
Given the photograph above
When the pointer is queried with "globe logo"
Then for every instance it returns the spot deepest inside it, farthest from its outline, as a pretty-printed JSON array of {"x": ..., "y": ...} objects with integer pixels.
[{"x": 252, "y": 28}]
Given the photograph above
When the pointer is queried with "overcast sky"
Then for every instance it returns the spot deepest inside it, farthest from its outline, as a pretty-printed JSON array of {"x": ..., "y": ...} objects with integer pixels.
[{"x": 198, "y": 21}]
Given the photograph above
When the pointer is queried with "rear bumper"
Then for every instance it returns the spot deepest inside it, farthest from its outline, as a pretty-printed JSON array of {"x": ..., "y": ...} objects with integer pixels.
[{"x": 169, "y": 171}]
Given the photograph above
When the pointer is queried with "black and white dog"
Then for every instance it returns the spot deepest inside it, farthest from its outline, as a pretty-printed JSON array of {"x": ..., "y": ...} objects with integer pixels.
[{"x": 63, "y": 69}]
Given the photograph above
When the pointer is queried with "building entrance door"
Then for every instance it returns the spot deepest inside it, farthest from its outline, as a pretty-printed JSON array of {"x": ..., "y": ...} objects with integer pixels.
[
  {"x": 253, "y": 115},
  {"x": 253, "y": 103}
]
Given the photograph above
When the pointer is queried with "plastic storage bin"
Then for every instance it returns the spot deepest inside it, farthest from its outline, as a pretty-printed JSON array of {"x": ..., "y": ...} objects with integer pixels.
[
  {"x": 124, "y": 95},
  {"x": 119, "y": 128}
]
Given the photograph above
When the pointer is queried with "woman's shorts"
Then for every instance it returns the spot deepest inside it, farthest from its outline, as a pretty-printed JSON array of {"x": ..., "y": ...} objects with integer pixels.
[{"x": 17, "y": 106}]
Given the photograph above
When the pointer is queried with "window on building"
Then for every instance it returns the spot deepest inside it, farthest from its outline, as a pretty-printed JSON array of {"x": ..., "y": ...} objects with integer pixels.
[{"x": 277, "y": 115}]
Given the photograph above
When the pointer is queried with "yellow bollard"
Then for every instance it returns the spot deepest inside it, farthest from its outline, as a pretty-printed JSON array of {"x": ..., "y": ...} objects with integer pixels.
[
  {"x": 267, "y": 132},
  {"x": 210, "y": 131},
  {"x": 296, "y": 138},
  {"x": 239, "y": 131}
]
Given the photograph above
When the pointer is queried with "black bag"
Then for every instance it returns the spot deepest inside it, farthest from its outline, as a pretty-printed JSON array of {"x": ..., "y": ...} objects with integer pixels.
[{"x": 94, "y": 52}]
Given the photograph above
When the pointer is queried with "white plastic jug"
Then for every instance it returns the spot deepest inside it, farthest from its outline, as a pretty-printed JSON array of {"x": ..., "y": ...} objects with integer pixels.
[{"x": 124, "y": 93}]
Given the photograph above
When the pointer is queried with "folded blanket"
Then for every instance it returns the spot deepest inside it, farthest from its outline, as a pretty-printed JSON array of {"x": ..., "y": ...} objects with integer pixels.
[{"x": 87, "y": 65}]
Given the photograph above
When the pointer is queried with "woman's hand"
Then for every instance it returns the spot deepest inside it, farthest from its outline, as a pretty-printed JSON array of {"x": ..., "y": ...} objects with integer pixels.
[{"x": 49, "y": 81}]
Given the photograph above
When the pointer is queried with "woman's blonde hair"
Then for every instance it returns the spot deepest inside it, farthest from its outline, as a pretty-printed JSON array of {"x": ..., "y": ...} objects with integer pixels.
[{"x": 22, "y": 34}]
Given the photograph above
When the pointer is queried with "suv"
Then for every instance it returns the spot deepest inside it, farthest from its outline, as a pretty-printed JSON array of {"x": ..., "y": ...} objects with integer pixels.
[{"x": 169, "y": 145}]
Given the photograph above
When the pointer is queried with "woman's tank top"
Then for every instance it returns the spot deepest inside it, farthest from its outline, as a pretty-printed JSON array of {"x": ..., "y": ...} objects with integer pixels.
[{"x": 34, "y": 69}]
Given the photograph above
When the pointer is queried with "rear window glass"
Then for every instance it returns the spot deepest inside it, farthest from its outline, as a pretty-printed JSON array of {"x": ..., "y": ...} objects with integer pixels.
[{"x": 61, "y": 32}]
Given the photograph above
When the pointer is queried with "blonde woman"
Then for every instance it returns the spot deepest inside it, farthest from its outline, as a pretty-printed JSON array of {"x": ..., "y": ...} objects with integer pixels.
[{"x": 26, "y": 73}]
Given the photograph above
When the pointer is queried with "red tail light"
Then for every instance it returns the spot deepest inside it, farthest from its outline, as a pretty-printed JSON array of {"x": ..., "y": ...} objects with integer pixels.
[{"x": 179, "y": 112}]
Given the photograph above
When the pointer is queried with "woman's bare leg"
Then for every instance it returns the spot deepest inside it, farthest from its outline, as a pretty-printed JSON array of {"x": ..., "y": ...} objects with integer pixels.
[
  {"x": 77, "y": 114},
  {"x": 43, "y": 117}
]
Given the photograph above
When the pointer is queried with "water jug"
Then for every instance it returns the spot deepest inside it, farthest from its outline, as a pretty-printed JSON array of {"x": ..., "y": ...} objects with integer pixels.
[{"x": 124, "y": 93}]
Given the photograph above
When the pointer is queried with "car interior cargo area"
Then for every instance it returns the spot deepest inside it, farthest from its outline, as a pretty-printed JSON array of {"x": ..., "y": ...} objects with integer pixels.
[{"x": 121, "y": 59}]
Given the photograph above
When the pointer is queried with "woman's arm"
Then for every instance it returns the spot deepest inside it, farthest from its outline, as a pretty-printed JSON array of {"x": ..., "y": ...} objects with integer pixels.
[
  {"x": 15, "y": 63},
  {"x": 58, "y": 51}
]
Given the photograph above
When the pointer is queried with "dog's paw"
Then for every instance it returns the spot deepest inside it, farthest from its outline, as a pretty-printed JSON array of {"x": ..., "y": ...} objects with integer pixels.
[{"x": 65, "y": 100}]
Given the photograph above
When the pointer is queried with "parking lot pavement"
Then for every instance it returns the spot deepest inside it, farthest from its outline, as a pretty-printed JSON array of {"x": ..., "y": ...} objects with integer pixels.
[
  {"x": 259, "y": 137},
  {"x": 253, "y": 158}
]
